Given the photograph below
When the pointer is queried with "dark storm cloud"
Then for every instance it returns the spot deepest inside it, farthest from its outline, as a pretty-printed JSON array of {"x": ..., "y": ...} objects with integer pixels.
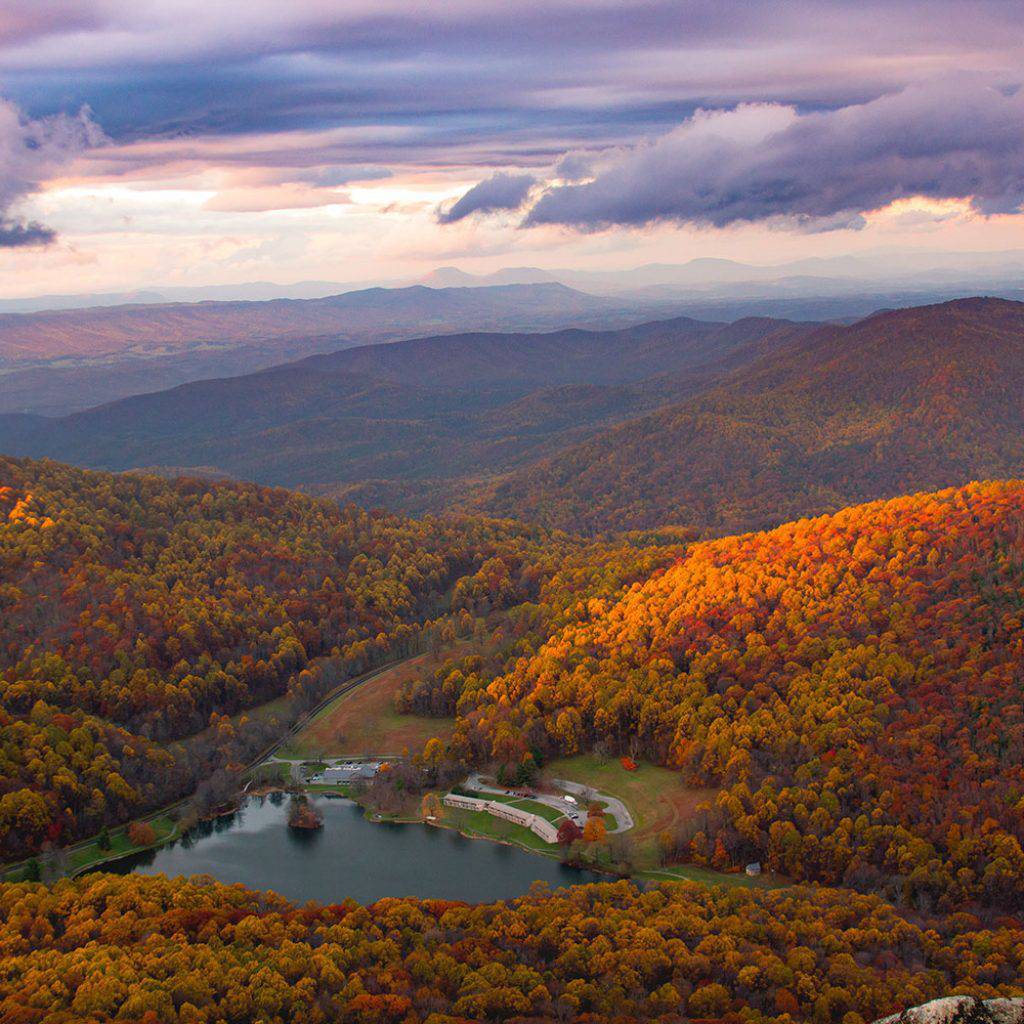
[
  {"x": 14, "y": 235},
  {"x": 501, "y": 191},
  {"x": 958, "y": 138}
]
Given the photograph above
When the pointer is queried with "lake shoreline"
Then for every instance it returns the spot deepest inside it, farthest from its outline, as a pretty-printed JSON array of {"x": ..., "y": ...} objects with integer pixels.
[{"x": 255, "y": 847}]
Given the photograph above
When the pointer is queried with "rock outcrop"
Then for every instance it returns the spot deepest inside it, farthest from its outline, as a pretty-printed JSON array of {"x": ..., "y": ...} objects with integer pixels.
[{"x": 961, "y": 1010}]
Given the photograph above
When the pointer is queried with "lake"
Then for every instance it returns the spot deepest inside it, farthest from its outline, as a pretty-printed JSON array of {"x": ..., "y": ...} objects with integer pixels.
[{"x": 349, "y": 856}]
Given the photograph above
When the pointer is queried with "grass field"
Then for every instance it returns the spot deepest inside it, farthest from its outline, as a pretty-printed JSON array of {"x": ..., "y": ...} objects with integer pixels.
[
  {"x": 120, "y": 844},
  {"x": 340, "y": 788},
  {"x": 480, "y": 823},
  {"x": 656, "y": 797},
  {"x": 270, "y": 773},
  {"x": 693, "y": 873},
  {"x": 364, "y": 722}
]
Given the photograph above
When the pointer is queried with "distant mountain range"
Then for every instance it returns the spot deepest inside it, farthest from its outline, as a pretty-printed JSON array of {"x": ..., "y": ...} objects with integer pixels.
[
  {"x": 376, "y": 314},
  {"x": 878, "y": 271},
  {"x": 720, "y": 426},
  {"x": 65, "y": 360},
  {"x": 254, "y": 291},
  {"x": 709, "y": 278},
  {"x": 65, "y": 353}
]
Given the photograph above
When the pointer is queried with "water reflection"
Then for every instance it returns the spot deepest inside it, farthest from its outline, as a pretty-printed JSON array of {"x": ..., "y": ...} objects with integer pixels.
[{"x": 349, "y": 856}]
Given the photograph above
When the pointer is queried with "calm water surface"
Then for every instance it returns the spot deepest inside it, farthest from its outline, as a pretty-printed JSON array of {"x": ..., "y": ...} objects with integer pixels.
[{"x": 349, "y": 856}]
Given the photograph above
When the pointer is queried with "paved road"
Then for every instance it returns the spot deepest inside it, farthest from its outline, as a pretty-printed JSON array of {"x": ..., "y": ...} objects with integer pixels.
[
  {"x": 618, "y": 810},
  {"x": 614, "y": 806}
]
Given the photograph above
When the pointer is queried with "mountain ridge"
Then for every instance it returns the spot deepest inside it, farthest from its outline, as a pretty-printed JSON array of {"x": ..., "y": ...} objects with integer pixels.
[{"x": 841, "y": 415}]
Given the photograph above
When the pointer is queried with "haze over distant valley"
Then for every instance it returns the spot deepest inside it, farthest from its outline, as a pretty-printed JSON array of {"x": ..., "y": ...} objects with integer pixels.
[{"x": 60, "y": 361}]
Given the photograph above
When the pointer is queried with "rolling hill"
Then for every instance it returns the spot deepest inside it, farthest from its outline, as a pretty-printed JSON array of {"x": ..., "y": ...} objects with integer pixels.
[
  {"x": 904, "y": 400},
  {"x": 724, "y": 427},
  {"x": 371, "y": 314},
  {"x": 427, "y": 409}
]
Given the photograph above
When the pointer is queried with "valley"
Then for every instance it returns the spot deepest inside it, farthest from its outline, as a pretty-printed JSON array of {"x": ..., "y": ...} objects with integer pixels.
[
  {"x": 511, "y": 513},
  {"x": 364, "y": 724},
  {"x": 751, "y": 771}
]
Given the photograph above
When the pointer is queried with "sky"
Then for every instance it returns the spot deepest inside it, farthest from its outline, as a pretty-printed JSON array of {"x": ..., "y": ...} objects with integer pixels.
[{"x": 148, "y": 142}]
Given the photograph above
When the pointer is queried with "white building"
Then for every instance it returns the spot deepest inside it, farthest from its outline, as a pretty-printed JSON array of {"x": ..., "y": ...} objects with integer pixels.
[
  {"x": 466, "y": 803},
  {"x": 534, "y": 822}
]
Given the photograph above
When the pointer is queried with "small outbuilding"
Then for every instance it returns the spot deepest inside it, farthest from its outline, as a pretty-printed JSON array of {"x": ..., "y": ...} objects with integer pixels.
[{"x": 753, "y": 868}]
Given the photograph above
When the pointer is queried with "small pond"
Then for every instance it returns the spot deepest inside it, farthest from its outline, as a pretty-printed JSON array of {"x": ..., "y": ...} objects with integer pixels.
[{"x": 349, "y": 856}]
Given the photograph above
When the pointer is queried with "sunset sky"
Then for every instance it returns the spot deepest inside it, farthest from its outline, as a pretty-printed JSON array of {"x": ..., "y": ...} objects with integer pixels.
[{"x": 186, "y": 142}]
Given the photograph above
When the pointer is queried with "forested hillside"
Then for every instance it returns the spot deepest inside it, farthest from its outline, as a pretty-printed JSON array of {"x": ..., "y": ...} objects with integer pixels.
[
  {"x": 136, "y": 612},
  {"x": 913, "y": 399},
  {"x": 106, "y": 948},
  {"x": 852, "y": 681}
]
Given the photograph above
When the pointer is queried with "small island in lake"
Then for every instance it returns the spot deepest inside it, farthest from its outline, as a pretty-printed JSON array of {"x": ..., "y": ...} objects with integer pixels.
[{"x": 302, "y": 814}]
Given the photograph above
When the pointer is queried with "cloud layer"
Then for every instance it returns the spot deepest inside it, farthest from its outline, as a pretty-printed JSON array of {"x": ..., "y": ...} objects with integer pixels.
[
  {"x": 538, "y": 75},
  {"x": 952, "y": 139}
]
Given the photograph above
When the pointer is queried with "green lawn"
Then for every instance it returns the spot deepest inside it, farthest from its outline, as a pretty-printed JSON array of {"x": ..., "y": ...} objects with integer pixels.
[
  {"x": 656, "y": 797},
  {"x": 341, "y": 788},
  {"x": 541, "y": 810},
  {"x": 90, "y": 854},
  {"x": 659, "y": 801},
  {"x": 693, "y": 873},
  {"x": 271, "y": 773},
  {"x": 120, "y": 844}
]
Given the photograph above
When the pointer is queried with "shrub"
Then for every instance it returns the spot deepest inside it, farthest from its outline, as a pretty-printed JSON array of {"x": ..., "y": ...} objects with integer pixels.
[{"x": 141, "y": 833}]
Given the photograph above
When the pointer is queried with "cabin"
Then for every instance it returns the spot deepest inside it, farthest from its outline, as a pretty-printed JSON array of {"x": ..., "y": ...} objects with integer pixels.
[{"x": 466, "y": 803}]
